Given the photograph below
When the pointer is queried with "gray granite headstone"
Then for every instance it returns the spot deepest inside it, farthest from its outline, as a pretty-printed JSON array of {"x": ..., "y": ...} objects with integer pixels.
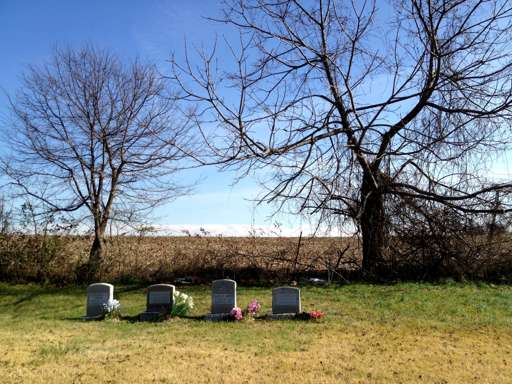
[
  {"x": 98, "y": 294},
  {"x": 160, "y": 298},
  {"x": 223, "y": 296},
  {"x": 286, "y": 300}
]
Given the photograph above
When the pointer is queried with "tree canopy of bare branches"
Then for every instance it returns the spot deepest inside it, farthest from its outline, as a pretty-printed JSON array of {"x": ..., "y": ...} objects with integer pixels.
[
  {"x": 353, "y": 103},
  {"x": 95, "y": 138}
]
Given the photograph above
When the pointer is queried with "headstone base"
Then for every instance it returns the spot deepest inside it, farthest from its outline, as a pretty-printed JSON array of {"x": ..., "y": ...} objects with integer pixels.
[
  {"x": 281, "y": 316},
  {"x": 93, "y": 318},
  {"x": 152, "y": 316},
  {"x": 218, "y": 317}
]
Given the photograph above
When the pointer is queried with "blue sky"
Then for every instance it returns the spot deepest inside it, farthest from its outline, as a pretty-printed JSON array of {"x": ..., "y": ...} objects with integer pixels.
[{"x": 152, "y": 30}]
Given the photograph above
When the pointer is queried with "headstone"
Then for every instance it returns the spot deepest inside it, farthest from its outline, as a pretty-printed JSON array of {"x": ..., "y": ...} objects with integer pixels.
[
  {"x": 286, "y": 300},
  {"x": 223, "y": 299},
  {"x": 98, "y": 294},
  {"x": 159, "y": 302},
  {"x": 160, "y": 298},
  {"x": 223, "y": 296}
]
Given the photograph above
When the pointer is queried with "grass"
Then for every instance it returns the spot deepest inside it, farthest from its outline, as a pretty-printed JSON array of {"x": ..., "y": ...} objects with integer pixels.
[{"x": 404, "y": 333}]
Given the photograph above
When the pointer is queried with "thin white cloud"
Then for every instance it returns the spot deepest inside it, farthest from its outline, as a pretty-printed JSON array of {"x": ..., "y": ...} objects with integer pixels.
[{"x": 238, "y": 230}]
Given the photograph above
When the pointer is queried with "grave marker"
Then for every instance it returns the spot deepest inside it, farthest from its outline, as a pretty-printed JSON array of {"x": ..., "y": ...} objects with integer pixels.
[
  {"x": 286, "y": 300},
  {"x": 159, "y": 302},
  {"x": 160, "y": 298},
  {"x": 223, "y": 299},
  {"x": 98, "y": 294},
  {"x": 223, "y": 296}
]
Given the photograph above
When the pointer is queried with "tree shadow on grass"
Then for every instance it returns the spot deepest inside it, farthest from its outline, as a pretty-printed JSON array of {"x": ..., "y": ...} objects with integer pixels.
[
  {"x": 25, "y": 298},
  {"x": 21, "y": 298},
  {"x": 130, "y": 288}
]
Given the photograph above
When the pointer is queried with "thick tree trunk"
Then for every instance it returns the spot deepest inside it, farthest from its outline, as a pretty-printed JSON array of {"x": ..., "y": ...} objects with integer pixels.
[
  {"x": 95, "y": 257},
  {"x": 372, "y": 223}
]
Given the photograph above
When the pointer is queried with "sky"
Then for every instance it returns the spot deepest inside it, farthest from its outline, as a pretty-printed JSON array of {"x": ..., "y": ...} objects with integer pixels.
[{"x": 31, "y": 29}]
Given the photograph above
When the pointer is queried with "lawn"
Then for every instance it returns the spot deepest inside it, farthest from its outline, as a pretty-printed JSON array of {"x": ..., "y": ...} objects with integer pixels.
[{"x": 404, "y": 333}]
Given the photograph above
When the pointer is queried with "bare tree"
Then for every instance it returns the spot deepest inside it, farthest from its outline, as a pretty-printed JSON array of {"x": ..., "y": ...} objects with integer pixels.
[
  {"x": 354, "y": 103},
  {"x": 93, "y": 137},
  {"x": 6, "y": 217}
]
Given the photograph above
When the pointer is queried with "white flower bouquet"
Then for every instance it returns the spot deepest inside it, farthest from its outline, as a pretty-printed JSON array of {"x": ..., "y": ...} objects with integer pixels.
[
  {"x": 183, "y": 303},
  {"x": 112, "y": 309}
]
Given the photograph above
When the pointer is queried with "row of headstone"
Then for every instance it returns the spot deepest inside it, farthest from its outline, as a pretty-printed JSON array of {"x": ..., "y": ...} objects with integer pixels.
[
  {"x": 159, "y": 300},
  {"x": 285, "y": 300}
]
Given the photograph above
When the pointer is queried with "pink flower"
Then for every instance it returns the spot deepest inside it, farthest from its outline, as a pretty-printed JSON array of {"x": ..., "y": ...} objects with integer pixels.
[
  {"x": 253, "y": 307},
  {"x": 236, "y": 314}
]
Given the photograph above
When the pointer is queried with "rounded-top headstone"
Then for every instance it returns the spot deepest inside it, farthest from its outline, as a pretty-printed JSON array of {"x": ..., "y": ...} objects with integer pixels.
[
  {"x": 98, "y": 294},
  {"x": 160, "y": 298}
]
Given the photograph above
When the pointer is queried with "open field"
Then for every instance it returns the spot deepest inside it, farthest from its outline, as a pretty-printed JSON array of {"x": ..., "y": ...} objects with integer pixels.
[
  {"x": 151, "y": 258},
  {"x": 405, "y": 333},
  {"x": 250, "y": 260}
]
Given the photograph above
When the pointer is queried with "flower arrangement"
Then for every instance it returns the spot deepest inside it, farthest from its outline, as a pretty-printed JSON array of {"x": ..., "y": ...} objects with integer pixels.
[
  {"x": 253, "y": 308},
  {"x": 112, "y": 309},
  {"x": 236, "y": 314},
  {"x": 183, "y": 304}
]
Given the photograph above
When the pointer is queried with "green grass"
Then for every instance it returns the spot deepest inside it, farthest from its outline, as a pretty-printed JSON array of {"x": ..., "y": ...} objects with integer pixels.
[{"x": 406, "y": 333}]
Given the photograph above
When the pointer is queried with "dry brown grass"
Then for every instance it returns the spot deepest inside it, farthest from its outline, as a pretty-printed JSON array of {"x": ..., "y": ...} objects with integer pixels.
[
  {"x": 163, "y": 258},
  {"x": 251, "y": 260},
  {"x": 365, "y": 354}
]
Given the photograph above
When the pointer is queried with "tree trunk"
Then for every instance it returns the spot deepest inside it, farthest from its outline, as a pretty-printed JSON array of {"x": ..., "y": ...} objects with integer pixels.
[
  {"x": 95, "y": 257},
  {"x": 372, "y": 222}
]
